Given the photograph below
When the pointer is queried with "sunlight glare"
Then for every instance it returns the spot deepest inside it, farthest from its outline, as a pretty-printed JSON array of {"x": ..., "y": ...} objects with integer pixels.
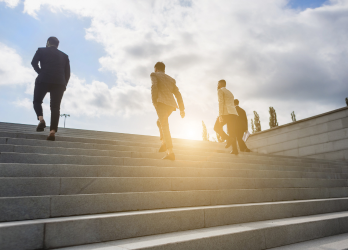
[{"x": 192, "y": 131}]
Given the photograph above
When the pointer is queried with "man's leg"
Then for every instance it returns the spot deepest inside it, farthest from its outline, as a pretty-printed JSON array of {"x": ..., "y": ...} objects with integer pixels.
[
  {"x": 218, "y": 128},
  {"x": 56, "y": 91},
  {"x": 163, "y": 147},
  {"x": 40, "y": 92},
  {"x": 163, "y": 112},
  {"x": 231, "y": 128},
  {"x": 241, "y": 143},
  {"x": 160, "y": 129}
]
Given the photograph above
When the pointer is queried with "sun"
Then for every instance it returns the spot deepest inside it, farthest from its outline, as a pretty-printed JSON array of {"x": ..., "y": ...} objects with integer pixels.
[{"x": 192, "y": 131}]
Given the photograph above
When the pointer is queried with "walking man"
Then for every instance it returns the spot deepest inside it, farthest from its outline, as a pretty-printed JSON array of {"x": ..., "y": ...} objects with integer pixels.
[
  {"x": 162, "y": 89},
  {"x": 227, "y": 115},
  {"x": 53, "y": 76},
  {"x": 241, "y": 127}
]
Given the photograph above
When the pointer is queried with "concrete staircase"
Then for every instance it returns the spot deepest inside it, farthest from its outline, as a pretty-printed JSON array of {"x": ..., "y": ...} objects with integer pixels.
[{"x": 102, "y": 190}]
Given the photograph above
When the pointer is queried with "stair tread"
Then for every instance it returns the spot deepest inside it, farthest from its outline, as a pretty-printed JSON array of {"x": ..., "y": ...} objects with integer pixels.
[
  {"x": 95, "y": 186},
  {"x": 197, "y": 234},
  {"x": 154, "y": 211}
]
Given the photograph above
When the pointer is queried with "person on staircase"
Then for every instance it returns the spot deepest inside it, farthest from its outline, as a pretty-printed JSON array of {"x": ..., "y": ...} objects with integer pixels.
[
  {"x": 227, "y": 115},
  {"x": 241, "y": 127},
  {"x": 162, "y": 89},
  {"x": 53, "y": 76}
]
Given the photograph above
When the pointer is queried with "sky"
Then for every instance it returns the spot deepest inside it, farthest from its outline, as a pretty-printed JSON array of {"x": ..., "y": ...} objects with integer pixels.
[{"x": 286, "y": 54}]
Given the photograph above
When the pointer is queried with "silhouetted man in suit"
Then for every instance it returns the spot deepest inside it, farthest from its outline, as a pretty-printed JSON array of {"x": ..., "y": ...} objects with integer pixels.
[
  {"x": 162, "y": 90},
  {"x": 227, "y": 115},
  {"x": 54, "y": 75},
  {"x": 242, "y": 126}
]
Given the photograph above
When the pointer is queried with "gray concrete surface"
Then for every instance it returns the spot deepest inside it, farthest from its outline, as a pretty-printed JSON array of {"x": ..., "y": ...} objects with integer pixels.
[
  {"x": 90, "y": 187},
  {"x": 336, "y": 242},
  {"x": 255, "y": 235},
  {"x": 324, "y": 136}
]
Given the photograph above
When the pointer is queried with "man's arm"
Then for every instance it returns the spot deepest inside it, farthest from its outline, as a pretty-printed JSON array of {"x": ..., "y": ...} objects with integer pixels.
[
  {"x": 178, "y": 97},
  {"x": 221, "y": 102},
  {"x": 35, "y": 62},
  {"x": 154, "y": 89},
  {"x": 67, "y": 71}
]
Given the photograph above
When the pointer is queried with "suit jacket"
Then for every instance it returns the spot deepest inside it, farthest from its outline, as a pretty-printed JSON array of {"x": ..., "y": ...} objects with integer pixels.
[
  {"x": 226, "y": 102},
  {"x": 55, "y": 66},
  {"x": 162, "y": 89},
  {"x": 243, "y": 120}
]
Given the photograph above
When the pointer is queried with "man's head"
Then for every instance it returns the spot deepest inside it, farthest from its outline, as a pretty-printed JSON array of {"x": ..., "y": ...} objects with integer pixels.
[
  {"x": 160, "y": 67},
  {"x": 221, "y": 84},
  {"x": 236, "y": 102},
  {"x": 52, "y": 41}
]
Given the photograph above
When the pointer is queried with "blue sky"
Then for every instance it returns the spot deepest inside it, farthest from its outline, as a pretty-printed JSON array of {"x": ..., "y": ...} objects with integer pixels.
[
  {"x": 113, "y": 47},
  {"x": 304, "y": 4},
  {"x": 26, "y": 34}
]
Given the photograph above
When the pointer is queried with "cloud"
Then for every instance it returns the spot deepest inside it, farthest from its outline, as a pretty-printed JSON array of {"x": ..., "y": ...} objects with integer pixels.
[
  {"x": 97, "y": 99},
  {"x": 11, "y": 3},
  {"x": 269, "y": 54},
  {"x": 80, "y": 98},
  {"x": 12, "y": 70}
]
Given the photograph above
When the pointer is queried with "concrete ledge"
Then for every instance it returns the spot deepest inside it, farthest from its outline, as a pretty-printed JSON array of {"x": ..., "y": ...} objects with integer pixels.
[
  {"x": 35, "y": 207},
  {"x": 336, "y": 242},
  {"x": 61, "y": 232},
  {"x": 63, "y": 170},
  {"x": 12, "y": 157},
  {"x": 326, "y": 133},
  {"x": 31, "y": 186},
  {"x": 255, "y": 235},
  {"x": 212, "y": 157}
]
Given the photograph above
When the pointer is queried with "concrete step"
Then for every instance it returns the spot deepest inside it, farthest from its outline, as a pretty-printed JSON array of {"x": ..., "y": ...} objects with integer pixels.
[
  {"x": 63, "y": 170},
  {"x": 93, "y": 186},
  {"x": 216, "y": 158},
  {"x": 254, "y": 235},
  {"x": 32, "y": 158},
  {"x": 63, "y": 232},
  {"x": 36, "y": 140},
  {"x": 336, "y": 242},
  {"x": 108, "y": 139},
  {"x": 77, "y": 133},
  {"x": 41, "y": 207},
  {"x": 128, "y": 146},
  {"x": 37, "y": 186},
  {"x": 43, "y": 146},
  {"x": 216, "y": 147}
]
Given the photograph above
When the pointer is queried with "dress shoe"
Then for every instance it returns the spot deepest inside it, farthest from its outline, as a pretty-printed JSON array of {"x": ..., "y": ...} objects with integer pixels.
[
  {"x": 169, "y": 157},
  {"x": 163, "y": 148},
  {"x": 234, "y": 153},
  {"x": 51, "y": 137},
  {"x": 41, "y": 126},
  {"x": 247, "y": 150}
]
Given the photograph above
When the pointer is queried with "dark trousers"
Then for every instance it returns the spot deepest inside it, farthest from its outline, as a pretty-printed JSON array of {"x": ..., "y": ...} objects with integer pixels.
[
  {"x": 241, "y": 143},
  {"x": 56, "y": 94},
  {"x": 163, "y": 113},
  {"x": 232, "y": 125},
  {"x": 218, "y": 127}
]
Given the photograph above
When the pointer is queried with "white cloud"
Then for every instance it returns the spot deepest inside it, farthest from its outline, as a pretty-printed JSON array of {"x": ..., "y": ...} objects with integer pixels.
[
  {"x": 97, "y": 99},
  {"x": 269, "y": 54},
  {"x": 24, "y": 103},
  {"x": 12, "y": 70},
  {"x": 80, "y": 98},
  {"x": 11, "y": 3}
]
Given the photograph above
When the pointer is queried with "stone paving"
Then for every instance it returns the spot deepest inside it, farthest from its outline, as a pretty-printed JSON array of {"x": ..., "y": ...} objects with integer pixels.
[{"x": 102, "y": 190}]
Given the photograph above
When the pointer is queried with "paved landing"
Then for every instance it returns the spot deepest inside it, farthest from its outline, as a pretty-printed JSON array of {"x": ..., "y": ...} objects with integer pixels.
[{"x": 337, "y": 242}]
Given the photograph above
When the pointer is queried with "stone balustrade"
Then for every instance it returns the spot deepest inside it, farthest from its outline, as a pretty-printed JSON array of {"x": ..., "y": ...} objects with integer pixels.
[{"x": 324, "y": 136}]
